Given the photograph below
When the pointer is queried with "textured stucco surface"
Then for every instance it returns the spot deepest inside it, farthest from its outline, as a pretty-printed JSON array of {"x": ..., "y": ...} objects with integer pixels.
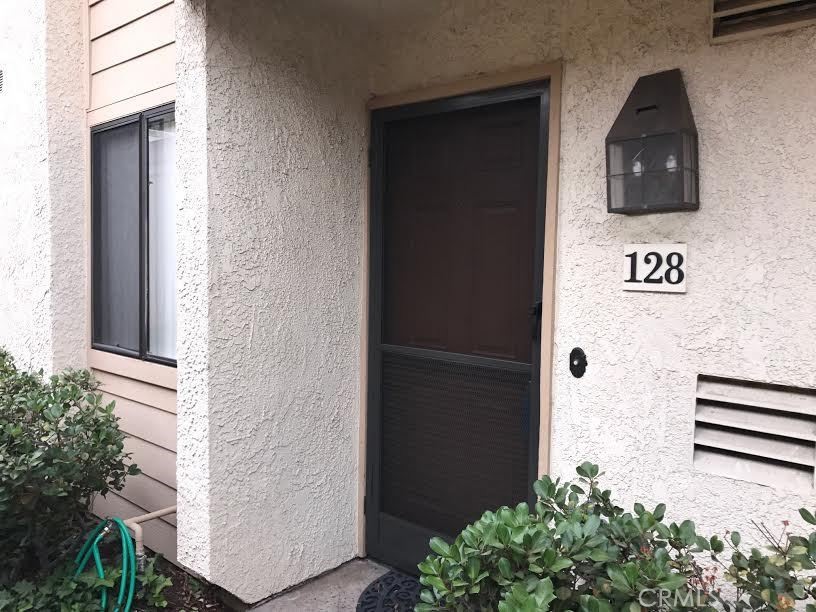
[
  {"x": 42, "y": 190},
  {"x": 193, "y": 306},
  {"x": 277, "y": 381},
  {"x": 25, "y": 300},
  {"x": 66, "y": 60},
  {"x": 268, "y": 426}
]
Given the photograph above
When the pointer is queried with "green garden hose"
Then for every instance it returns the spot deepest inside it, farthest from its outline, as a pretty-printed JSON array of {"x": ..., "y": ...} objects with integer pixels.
[{"x": 127, "y": 581}]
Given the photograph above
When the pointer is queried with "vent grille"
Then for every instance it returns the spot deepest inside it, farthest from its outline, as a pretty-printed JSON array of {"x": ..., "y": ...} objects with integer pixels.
[
  {"x": 756, "y": 432},
  {"x": 736, "y": 19},
  {"x": 1, "y": 81}
]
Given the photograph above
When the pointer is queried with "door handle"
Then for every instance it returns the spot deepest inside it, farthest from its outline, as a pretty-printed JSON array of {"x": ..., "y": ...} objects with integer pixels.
[{"x": 535, "y": 319}]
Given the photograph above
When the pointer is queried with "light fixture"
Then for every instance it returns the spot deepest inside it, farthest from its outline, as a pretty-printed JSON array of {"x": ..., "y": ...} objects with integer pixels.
[{"x": 651, "y": 150}]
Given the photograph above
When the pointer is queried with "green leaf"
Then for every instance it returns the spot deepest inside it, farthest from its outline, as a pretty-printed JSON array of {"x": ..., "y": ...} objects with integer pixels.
[
  {"x": 687, "y": 530},
  {"x": 592, "y": 524},
  {"x": 440, "y": 547},
  {"x": 473, "y": 567},
  {"x": 587, "y": 470},
  {"x": 561, "y": 563},
  {"x": 618, "y": 578},
  {"x": 672, "y": 582},
  {"x": 435, "y": 582},
  {"x": 505, "y": 569},
  {"x": 806, "y": 514},
  {"x": 426, "y": 567},
  {"x": 659, "y": 512},
  {"x": 735, "y": 538}
]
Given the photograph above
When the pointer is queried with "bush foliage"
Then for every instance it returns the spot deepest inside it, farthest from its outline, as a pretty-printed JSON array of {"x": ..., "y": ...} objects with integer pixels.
[
  {"x": 59, "y": 446},
  {"x": 578, "y": 551}
]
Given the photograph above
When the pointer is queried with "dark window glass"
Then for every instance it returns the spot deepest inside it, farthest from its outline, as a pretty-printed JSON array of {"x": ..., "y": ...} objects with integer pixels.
[
  {"x": 134, "y": 246},
  {"x": 116, "y": 237}
]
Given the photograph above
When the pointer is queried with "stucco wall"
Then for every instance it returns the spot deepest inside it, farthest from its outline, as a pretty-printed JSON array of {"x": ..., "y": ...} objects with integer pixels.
[
  {"x": 25, "y": 301},
  {"x": 66, "y": 61},
  {"x": 42, "y": 279},
  {"x": 286, "y": 140},
  {"x": 192, "y": 265},
  {"x": 748, "y": 312},
  {"x": 270, "y": 239}
]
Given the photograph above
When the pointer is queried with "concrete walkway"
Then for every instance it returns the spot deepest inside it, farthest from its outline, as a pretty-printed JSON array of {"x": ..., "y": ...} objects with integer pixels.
[{"x": 336, "y": 591}]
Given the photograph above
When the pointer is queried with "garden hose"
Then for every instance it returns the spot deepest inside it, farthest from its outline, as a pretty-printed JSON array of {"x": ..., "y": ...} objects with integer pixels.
[{"x": 127, "y": 581}]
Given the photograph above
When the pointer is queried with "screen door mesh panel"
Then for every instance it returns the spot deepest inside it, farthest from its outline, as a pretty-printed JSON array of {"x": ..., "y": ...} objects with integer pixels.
[{"x": 466, "y": 422}]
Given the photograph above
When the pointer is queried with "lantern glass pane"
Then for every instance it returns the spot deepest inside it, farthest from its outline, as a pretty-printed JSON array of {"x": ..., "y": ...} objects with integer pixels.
[
  {"x": 661, "y": 153},
  {"x": 690, "y": 151},
  {"x": 662, "y": 187},
  {"x": 690, "y": 187},
  {"x": 626, "y": 191},
  {"x": 626, "y": 157},
  {"x": 616, "y": 197}
]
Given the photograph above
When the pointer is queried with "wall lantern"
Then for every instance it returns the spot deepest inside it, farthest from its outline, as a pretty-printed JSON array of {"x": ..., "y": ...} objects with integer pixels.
[{"x": 651, "y": 150}]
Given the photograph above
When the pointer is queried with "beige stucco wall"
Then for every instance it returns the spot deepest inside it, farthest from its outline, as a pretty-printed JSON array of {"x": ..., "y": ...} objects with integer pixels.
[
  {"x": 193, "y": 308},
  {"x": 42, "y": 275},
  {"x": 748, "y": 312},
  {"x": 268, "y": 416},
  {"x": 272, "y": 225}
]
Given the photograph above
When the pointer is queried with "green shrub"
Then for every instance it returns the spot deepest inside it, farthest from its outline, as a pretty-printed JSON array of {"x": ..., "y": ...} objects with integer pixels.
[
  {"x": 578, "y": 551},
  {"x": 59, "y": 446},
  {"x": 62, "y": 592},
  {"x": 775, "y": 581}
]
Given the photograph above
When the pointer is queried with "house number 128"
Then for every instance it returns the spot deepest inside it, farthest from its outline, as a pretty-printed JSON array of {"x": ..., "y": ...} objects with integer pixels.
[{"x": 654, "y": 267}]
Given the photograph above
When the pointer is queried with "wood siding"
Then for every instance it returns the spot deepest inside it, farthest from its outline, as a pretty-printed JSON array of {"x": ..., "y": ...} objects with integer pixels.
[
  {"x": 132, "y": 56},
  {"x": 132, "y": 63},
  {"x": 147, "y": 414}
]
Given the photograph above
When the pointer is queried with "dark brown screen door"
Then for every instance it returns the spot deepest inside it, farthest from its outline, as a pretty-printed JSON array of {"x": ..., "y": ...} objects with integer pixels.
[{"x": 457, "y": 225}]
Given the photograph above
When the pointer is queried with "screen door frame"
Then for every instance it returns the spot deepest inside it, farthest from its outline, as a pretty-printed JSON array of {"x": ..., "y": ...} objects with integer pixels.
[{"x": 541, "y": 90}]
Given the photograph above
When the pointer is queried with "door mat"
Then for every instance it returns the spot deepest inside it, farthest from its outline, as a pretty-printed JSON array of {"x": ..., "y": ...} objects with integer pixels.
[{"x": 391, "y": 592}]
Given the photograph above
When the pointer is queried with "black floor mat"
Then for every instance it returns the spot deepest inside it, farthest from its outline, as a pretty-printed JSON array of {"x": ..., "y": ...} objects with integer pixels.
[{"x": 392, "y": 592}]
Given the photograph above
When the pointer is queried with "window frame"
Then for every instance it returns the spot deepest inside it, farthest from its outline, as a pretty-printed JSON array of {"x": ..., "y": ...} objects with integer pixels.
[{"x": 142, "y": 119}]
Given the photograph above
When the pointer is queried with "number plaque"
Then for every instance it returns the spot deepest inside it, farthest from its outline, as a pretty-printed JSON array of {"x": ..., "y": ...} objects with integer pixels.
[{"x": 654, "y": 267}]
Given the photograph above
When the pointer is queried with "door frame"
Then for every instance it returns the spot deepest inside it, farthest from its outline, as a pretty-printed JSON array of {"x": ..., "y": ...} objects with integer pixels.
[{"x": 512, "y": 85}]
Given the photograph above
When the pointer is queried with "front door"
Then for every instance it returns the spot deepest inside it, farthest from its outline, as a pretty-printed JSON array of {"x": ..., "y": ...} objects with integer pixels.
[{"x": 456, "y": 252}]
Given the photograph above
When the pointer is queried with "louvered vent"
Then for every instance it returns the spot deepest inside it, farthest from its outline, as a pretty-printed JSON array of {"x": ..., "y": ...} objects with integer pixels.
[
  {"x": 734, "y": 19},
  {"x": 1, "y": 81},
  {"x": 756, "y": 432}
]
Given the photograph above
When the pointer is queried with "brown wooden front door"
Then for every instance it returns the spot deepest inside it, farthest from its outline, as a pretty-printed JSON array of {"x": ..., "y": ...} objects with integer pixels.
[{"x": 456, "y": 279}]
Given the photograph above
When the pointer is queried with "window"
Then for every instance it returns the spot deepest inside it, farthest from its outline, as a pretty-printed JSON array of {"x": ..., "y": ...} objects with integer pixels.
[{"x": 134, "y": 236}]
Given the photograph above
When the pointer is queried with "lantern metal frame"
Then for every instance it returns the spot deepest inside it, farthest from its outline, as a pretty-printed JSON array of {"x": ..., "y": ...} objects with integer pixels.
[{"x": 656, "y": 110}]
